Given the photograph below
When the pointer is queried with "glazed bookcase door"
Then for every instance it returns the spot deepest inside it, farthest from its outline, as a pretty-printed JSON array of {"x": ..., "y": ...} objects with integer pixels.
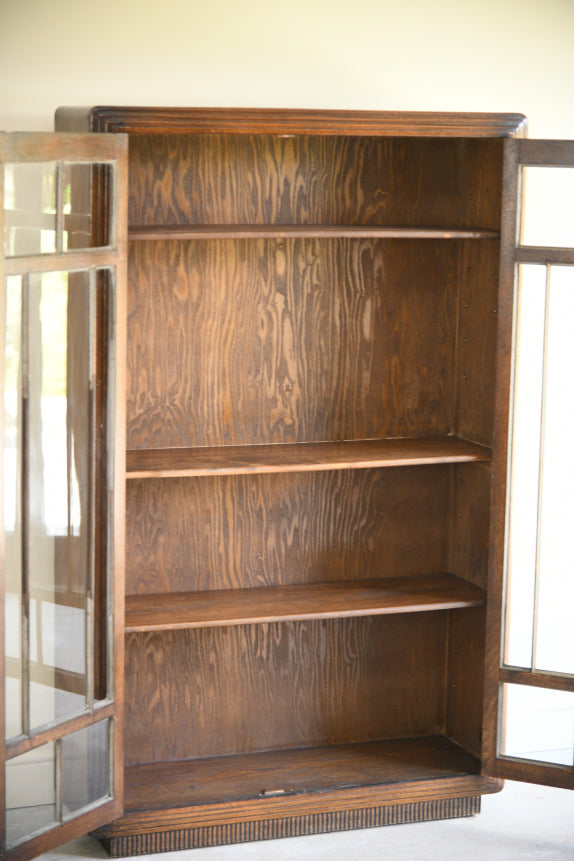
[
  {"x": 529, "y": 717},
  {"x": 63, "y": 466}
]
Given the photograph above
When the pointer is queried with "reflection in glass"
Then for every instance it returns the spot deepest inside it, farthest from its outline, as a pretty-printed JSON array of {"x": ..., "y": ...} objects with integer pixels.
[
  {"x": 547, "y": 215},
  {"x": 85, "y": 767},
  {"x": 30, "y": 208},
  {"x": 30, "y": 793},
  {"x": 58, "y": 549},
  {"x": 554, "y": 642},
  {"x": 12, "y": 499},
  {"x": 77, "y": 206},
  {"x": 538, "y": 724},
  {"x": 527, "y": 413}
]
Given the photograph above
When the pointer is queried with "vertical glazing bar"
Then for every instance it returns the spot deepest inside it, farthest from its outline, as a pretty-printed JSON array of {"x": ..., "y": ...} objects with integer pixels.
[
  {"x": 58, "y": 779},
  {"x": 25, "y": 511},
  {"x": 541, "y": 465},
  {"x": 59, "y": 207},
  {"x": 91, "y": 573},
  {"x": 111, "y": 298}
]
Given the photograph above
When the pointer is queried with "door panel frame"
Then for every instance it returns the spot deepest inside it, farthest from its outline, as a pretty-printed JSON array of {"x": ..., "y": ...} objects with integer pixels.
[
  {"x": 518, "y": 154},
  {"x": 110, "y": 150}
]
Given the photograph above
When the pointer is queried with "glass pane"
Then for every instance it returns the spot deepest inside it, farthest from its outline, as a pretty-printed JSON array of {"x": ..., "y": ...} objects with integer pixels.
[
  {"x": 30, "y": 793},
  {"x": 538, "y": 724},
  {"x": 547, "y": 217},
  {"x": 12, "y": 500},
  {"x": 79, "y": 180},
  {"x": 554, "y": 649},
  {"x": 59, "y": 517},
  {"x": 85, "y": 767},
  {"x": 30, "y": 208},
  {"x": 525, "y": 465}
]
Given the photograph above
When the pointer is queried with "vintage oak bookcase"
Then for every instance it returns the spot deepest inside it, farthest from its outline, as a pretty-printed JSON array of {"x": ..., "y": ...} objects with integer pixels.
[{"x": 318, "y": 388}]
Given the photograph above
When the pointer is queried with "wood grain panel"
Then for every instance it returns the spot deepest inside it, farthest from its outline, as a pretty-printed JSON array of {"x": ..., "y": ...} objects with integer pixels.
[
  {"x": 265, "y": 179},
  {"x": 257, "y": 775},
  {"x": 252, "y": 342},
  {"x": 229, "y": 532},
  {"x": 217, "y": 691},
  {"x": 481, "y": 183},
  {"x": 470, "y": 515},
  {"x": 465, "y": 682}
]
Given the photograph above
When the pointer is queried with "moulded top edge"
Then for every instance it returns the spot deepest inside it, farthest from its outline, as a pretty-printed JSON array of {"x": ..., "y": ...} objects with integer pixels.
[{"x": 322, "y": 122}]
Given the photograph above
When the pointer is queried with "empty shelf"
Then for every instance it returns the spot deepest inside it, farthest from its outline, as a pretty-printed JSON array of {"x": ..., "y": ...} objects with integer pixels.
[
  {"x": 300, "y": 457},
  {"x": 168, "y": 611},
  {"x": 313, "y": 231}
]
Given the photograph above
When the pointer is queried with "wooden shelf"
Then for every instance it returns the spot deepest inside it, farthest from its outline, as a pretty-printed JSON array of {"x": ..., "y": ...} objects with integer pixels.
[
  {"x": 224, "y": 607},
  {"x": 293, "y": 772},
  {"x": 139, "y": 232},
  {"x": 300, "y": 457}
]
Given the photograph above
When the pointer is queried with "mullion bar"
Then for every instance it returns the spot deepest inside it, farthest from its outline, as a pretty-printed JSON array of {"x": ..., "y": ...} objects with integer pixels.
[
  {"x": 541, "y": 469},
  {"x": 57, "y": 728},
  {"x": 68, "y": 261},
  {"x": 91, "y": 542},
  {"x": 58, "y": 778},
  {"x": 555, "y": 681},
  {"x": 59, "y": 207},
  {"x": 25, "y": 507}
]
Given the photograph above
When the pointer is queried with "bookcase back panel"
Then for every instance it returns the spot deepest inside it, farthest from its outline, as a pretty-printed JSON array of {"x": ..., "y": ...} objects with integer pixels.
[
  {"x": 246, "y": 531},
  {"x": 266, "y": 179},
  {"x": 216, "y": 691},
  {"x": 241, "y": 342},
  {"x": 218, "y": 179}
]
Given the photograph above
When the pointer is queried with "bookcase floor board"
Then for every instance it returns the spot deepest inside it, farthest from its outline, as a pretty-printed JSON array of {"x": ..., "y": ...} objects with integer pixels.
[{"x": 301, "y": 376}]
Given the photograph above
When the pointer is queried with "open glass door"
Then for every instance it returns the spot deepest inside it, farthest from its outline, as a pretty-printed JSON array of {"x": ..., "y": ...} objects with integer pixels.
[
  {"x": 63, "y": 207},
  {"x": 529, "y": 718}
]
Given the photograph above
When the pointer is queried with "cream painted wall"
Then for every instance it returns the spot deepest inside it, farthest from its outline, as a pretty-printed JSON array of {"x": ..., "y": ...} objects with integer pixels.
[{"x": 478, "y": 55}]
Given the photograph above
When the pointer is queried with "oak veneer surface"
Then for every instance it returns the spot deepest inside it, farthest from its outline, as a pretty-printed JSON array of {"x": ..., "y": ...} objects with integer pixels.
[
  {"x": 217, "y": 691},
  {"x": 303, "y": 457},
  {"x": 305, "y": 180},
  {"x": 465, "y": 678},
  {"x": 245, "y": 531},
  {"x": 313, "y": 770},
  {"x": 257, "y": 341},
  {"x": 318, "y": 601}
]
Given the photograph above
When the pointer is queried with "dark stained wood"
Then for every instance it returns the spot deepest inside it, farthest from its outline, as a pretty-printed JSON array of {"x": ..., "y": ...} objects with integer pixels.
[
  {"x": 557, "y": 256},
  {"x": 294, "y": 772},
  {"x": 145, "y": 232},
  {"x": 497, "y": 529},
  {"x": 300, "y": 341},
  {"x": 310, "y": 308},
  {"x": 538, "y": 680},
  {"x": 310, "y": 457},
  {"x": 229, "y": 532},
  {"x": 22, "y": 744},
  {"x": 469, "y": 522},
  {"x": 546, "y": 775},
  {"x": 465, "y": 678},
  {"x": 319, "y": 601},
  {"x": 219, "y": 691},
  {"x": 309, "y": 182},
  {"x": 260, "y": 121},
  {"x": 546, "y": 152},
  {"x": 60, "y": 834}
]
